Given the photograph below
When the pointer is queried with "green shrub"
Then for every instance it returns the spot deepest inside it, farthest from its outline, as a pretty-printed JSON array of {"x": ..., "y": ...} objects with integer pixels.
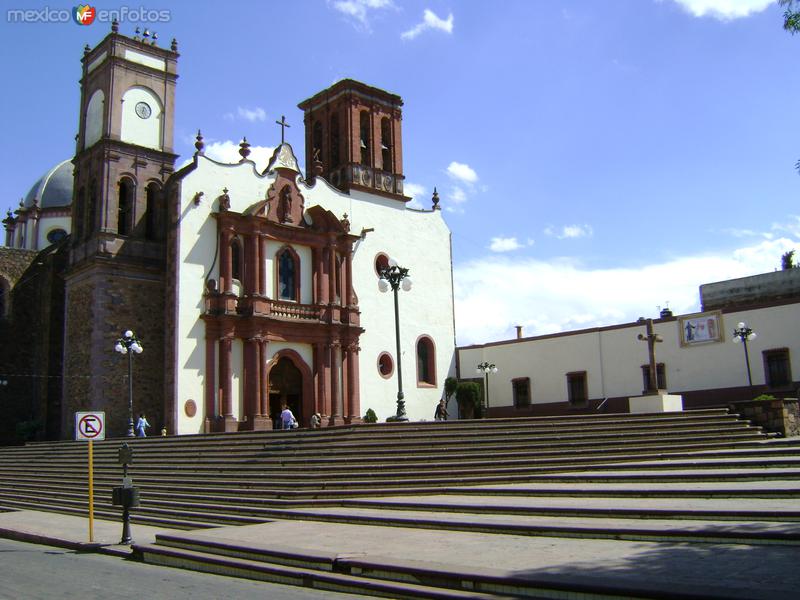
[
  {"x": 370, "y": 416},
  {"x": 765, "y": 397}
]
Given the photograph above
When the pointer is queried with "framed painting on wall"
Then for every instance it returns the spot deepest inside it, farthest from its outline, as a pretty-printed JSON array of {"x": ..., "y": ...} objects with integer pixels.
[{"x": 701, "y": 328}]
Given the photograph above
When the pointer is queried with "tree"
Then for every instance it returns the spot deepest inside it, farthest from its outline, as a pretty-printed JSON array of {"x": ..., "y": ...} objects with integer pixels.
[
  {"x": 791, "y": 16},
  {"x": 450, "y": 387},
  {"x": 787, "y": 260},
  {"x": 468, "y": 395}
]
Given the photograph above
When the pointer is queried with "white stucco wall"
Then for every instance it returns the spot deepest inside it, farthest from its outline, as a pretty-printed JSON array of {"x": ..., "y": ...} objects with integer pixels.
[
  {"x": 419, "y": 241},
  {"x": 136, "y": 130},
  {"x": 613, "y": 356}
]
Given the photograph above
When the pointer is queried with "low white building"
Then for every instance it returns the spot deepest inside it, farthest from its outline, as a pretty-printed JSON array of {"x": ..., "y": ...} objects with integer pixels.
[{"x": 602, "y": 367}]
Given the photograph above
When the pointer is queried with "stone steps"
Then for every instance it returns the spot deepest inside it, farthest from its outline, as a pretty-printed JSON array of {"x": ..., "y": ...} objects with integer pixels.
[{"x": 688, "y": 478}]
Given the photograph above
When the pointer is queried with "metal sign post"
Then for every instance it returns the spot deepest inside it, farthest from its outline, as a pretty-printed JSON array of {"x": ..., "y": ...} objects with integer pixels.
[{"x": 90, "y": 426}]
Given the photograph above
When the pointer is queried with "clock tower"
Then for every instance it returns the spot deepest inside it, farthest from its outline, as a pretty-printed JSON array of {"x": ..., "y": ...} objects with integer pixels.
[{"x": 116, "y": 276}]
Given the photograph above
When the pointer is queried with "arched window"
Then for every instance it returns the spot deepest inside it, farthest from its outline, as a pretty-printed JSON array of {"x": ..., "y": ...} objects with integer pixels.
[
  {"x": 152, "y": 229},
  {"x": 91, "y": 210},
  {"x": 236, "y": 260},
  {"x": 386, "y": 144},
  {"x": 334, "y": 141},
  {"x": 426, "y": 361},
  {"x": 288, "y": 275},
  {"x": 316, "y": 140},
  {"x": 366, "y": 151},
  {"x": 125, "y": 208}
]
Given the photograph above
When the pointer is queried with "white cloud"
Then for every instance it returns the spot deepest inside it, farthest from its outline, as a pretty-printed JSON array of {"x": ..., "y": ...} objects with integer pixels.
[
  {"x": 416, "y": 192},
  {"x": 462, "y": 172},
  {"x": 495, "y": 293},
  {"x": 361, "y": 10},
  {"x": 246, "y": 114},
  {"x": 457, "y": 196},
  {"x": 501, "y": 244},
  {"x": 569, "y": 231},
  {"x": 252, "y": 114},
  {"x": 429, "y": 21},
  {"x": 724, "y": 10},
  {"x": 227, "y": 151}
]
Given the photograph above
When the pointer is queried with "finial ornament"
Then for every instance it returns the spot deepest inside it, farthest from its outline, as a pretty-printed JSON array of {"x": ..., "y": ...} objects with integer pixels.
[
  {"x": 174, "y": 46},
  {"x": 115, "y": 26},
  {"x": 199, "y": 141},
  {"x": 136, "y": 34},
  {"x": 86, "y": 49},
  {"x": 435, "y": 200},
  {"x": 155, "y": 39},
  {"x": 345, "y": 223},
  {"x": 146, "y": 33},
  {"x": 244, "y": 149}
]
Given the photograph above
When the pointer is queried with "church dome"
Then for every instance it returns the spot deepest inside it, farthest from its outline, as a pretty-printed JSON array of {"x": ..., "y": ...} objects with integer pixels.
[{"x": 54, "y": 188}]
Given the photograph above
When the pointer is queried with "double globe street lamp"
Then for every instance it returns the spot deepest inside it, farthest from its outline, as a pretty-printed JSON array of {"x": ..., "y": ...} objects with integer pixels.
[
  {"x": 744, "y": 334},
  {"x": 129, "y": 344},
  {"x": 395, "y": 277},
  {"x": 486, "y": 368}
]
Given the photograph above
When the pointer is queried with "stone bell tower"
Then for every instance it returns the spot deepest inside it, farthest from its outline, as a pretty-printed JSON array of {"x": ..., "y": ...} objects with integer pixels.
[
  {"x": 116, "y": 276},
  {"x": 353, "y": 132}
]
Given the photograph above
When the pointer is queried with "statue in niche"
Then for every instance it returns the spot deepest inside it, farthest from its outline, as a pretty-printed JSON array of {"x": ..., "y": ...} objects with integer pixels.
[{"x": 285, "y": 205}]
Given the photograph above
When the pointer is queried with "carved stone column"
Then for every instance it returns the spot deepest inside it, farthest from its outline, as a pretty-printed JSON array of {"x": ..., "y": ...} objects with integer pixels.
[
  {"x": 225, "y": 261},
  {"x": 225, "y": 391},
  {"x": 264, "y": 411},
  {"x": 353, "y": 402},
  {"x": 336, "y": 396},
  {"x": 210, "y": 402}
]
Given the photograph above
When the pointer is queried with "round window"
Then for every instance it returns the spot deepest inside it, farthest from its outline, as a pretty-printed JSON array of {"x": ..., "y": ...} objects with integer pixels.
[
  {"x": 381, "y": 263},
  {"x": 56, "y": 235},
  {"x": 385, "y": 365}
]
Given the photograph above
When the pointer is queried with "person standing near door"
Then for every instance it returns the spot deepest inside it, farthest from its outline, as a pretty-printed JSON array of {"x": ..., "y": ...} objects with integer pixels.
[{"x": 287, "y": 417}]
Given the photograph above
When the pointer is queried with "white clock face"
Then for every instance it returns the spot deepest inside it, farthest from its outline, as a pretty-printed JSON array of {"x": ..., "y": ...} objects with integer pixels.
[{"x": 143, "y": 110}]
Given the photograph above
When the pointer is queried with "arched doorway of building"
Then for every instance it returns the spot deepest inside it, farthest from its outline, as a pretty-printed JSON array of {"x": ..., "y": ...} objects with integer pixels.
[{"x": 285, "y": 385}]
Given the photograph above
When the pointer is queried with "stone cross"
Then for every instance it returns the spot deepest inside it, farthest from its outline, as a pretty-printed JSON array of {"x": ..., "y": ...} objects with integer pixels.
[
  {"x": 283, "y": 125},
  {"x": 652, "y": 339}
]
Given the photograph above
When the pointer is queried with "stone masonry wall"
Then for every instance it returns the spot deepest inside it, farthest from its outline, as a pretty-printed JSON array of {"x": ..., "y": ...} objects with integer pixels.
[
  {"x": 101, "y": 306},
  {"x": 776, "y": 416}
]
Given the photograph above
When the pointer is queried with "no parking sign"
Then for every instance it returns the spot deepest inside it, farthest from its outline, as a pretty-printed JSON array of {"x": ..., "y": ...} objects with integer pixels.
[{"x": 90, "y": 425}]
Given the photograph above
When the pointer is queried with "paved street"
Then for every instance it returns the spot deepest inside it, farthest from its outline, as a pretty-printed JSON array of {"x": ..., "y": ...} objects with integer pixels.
[{"x": 33, "y": 572}]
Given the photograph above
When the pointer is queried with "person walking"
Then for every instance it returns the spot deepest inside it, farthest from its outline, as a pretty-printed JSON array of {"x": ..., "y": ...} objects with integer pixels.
[
  {"x": 141, "y": 426},
  {"x": 440, "y": 414},
  {"x": 287, "y": 417}
]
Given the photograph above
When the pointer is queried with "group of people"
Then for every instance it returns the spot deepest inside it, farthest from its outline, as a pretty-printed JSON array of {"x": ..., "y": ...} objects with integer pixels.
[{"x": 288, "y": 421}]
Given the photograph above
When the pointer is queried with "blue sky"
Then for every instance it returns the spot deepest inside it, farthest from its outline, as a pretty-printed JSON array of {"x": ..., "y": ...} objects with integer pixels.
[{"x": 595, "y": 160}]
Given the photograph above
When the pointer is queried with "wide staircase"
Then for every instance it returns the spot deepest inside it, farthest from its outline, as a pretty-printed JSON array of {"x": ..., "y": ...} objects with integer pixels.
[{"x": 695, "y": 476}]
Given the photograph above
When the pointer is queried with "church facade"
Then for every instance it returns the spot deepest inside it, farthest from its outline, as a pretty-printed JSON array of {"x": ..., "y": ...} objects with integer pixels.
[{"x": 248, "y": 289}]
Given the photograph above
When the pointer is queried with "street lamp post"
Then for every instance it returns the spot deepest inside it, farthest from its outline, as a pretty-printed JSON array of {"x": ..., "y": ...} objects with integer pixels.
[
  {"x": 486, "y": 368},
  {"x": 129, "y": 344},
  {"x": 744, "y": 334},
  {"x": 394, "y": 276}
]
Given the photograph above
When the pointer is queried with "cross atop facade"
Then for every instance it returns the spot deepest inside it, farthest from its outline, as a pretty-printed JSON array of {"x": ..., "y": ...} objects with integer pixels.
[
  {"x": 651, "y": 338},
  {"x": 283, "y": 125}
]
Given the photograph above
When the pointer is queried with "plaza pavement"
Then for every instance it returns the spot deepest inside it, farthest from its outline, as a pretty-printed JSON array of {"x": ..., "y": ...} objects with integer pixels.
[{"x": 599, "y": 567}]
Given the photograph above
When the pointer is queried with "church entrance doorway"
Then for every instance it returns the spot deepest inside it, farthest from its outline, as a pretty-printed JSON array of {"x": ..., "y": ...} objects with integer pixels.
[{"x": 285, "y": 385}]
